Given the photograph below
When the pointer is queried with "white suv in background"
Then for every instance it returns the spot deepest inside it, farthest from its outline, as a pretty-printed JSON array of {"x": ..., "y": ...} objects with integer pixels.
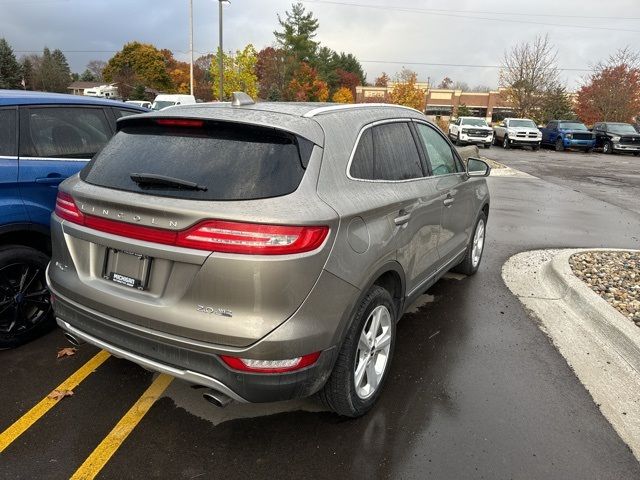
[
  {"x": 471, "y": 130},
  {"x": 512, "y": 132}
]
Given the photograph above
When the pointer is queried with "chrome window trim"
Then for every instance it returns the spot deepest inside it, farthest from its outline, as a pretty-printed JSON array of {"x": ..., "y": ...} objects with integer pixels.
[
  {"x": 355, "y": 147},
  {"x": 55, "y": 159},
  {"x": 354, "y": 106},
  {"x": 8, "y": 157}
]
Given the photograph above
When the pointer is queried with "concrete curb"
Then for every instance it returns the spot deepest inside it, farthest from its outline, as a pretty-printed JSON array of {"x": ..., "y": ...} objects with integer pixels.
[{"x": 598, "y": 342}]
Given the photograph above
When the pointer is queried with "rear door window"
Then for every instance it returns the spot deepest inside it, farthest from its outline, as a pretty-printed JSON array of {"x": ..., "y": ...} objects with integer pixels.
[
  {"x": 64, "y": 132},
  {"x": 232, "y": 161},
  {"x": 439, "y": 152},
  {"x": 387, "y": 152},
  {"x": 8, "y": 132}
]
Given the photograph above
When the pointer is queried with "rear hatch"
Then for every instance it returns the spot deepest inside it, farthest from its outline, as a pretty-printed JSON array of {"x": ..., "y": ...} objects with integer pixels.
[{"x": 204, "y": 229}]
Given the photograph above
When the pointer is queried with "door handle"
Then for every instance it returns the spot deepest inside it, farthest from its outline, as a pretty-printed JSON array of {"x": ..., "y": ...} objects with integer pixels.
[
  {"x": 403, "y": 218},
  {"x": 449, "y": 200},
  {"x": 52, "y": 178}
]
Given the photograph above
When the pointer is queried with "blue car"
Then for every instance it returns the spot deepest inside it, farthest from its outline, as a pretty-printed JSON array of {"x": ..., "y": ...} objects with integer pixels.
[
  {"x": 44, "y": 138},
  {"x": 563, "y": 134}
]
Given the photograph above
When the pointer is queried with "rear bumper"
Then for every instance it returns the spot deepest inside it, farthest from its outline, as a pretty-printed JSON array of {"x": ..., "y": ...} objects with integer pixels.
[{"x": 187, "y": 359}]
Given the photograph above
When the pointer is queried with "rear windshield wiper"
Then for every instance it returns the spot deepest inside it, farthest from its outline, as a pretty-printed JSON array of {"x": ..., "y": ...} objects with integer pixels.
[{"x": 151, "y": 179}]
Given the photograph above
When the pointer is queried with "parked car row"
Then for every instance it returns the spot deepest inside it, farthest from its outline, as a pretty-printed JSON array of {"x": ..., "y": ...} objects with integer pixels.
[
  {"x": 204, "y": 241},
  {"x": 610, "y": 137}
]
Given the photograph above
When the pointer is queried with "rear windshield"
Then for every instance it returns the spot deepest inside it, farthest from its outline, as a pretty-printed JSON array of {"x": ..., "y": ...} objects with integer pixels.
[{"x": 232, "y": 161}]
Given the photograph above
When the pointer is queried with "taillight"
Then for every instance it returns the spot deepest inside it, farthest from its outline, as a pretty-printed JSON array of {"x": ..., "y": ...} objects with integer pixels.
[
  {"x": 252, "y": 239},
  {"x": 270, "y": 366},
  {"x": 210, "y": 235},
  {"x": 66, "y": 208}
]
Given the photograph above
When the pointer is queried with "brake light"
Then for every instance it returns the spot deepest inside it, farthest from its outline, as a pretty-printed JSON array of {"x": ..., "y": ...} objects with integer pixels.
[
  {"x": 270, "y": 366},
  {"x": 252, "y": 239},
  {"x": 180, "y": 122},
  {"x": 66, "y": 208},
  {"x": 210, "y": 235}
]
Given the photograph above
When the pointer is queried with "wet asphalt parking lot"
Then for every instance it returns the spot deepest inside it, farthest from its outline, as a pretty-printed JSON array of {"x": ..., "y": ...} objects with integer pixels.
[{"x": 476, "y": 390}]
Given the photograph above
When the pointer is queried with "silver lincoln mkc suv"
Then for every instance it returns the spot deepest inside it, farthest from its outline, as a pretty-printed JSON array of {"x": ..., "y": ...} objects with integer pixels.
[{"x": 265, "y": 251}]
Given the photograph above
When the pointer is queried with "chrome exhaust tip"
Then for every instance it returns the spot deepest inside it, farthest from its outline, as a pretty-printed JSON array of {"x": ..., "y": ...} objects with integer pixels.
[
  {"x": 76, "y": 342},
  {"x": 216, "y": 398}
]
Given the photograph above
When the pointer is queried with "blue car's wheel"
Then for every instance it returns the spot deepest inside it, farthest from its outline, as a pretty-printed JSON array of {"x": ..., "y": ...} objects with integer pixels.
[
  {"x": 559, "y": 145},
  {"x": 25, "y": 306}
]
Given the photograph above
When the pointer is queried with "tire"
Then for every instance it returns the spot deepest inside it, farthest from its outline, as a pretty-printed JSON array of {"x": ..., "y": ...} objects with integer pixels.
[
  {"x": 506, "y": 143},
  {"x": 472, "y": 257},
  {"x": 607, "y": 148},
  {"x": 25, "y": 307},
  {"x": 340, "y": 393},
  {"x": 588, "y": 150},
  {"x": 487, "y": 145},
  {"x": 535, "y": 148},
  {"x": 635, "y": 154},
  {"x": 458, "y": 142},
  {"x": 559, "y": 145},
  {"x": 496, "y": 141}
]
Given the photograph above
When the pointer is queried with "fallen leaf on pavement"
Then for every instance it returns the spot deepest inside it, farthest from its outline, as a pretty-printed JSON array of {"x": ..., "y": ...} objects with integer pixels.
[
  {"x": 60, "y": 394},
  {"x": 66, "y": 352}
]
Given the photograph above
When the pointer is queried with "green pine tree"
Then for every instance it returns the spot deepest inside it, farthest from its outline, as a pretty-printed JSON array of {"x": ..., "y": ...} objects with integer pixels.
[
  {"x": 62, "y": 72},
  {"x": 556, "y": 105},
  {"x": 299, "y": 29},
  {"x": 10, "y": 71}
]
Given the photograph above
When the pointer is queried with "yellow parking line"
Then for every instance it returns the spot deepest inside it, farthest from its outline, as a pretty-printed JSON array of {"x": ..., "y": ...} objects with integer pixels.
[
  {"x": 46, "y": 404},
  {"x": 103, "y": 452}
]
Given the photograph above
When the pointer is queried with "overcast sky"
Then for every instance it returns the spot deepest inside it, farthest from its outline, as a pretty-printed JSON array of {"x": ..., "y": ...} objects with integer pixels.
[{"x": 463, "y": 32}]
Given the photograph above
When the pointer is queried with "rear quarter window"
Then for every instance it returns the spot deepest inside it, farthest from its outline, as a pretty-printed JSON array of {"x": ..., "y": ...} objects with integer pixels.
[{"x": 233, "y": 162}]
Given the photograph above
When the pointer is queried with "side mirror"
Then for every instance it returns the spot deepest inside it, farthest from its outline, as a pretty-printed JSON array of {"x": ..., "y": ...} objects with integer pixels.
[{"x": 478, "y": 168}]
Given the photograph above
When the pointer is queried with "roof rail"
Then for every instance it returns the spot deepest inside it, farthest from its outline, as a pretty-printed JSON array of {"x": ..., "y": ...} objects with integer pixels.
[
  {"x": 241, "y": 98},
  {"x": 333, "y": 108}
]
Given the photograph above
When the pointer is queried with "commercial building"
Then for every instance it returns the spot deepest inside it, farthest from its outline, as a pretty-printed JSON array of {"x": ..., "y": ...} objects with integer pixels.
[{"x": 444, "y": 103}]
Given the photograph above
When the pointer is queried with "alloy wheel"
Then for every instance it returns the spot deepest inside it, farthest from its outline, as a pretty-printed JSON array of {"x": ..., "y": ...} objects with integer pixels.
[
  {"x": 478, "y": 244},
  {"x": 24, "y": 298},
  {"x": 372, "y": 356}
]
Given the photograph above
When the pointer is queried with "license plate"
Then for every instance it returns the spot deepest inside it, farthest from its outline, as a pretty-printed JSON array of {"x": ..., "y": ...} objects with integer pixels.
[{"x": 125, "y": 268}]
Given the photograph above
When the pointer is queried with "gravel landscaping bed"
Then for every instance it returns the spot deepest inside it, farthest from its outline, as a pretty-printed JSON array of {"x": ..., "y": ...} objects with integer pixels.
[{"x": 615, "y": 276}]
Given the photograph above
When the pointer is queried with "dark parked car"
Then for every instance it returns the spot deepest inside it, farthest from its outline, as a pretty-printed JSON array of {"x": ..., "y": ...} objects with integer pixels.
[
  {"x": 265, "y": 251},
  {"x": 614, "y": 137},
  {"x": 44, "y": 138},
  {"x": 562, "y": 134}
]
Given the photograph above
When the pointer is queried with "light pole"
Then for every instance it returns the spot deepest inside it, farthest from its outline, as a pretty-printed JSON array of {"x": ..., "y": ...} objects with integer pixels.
[
  {"x": 191, "y": 45},
  {"x": 220, "y": 50}
]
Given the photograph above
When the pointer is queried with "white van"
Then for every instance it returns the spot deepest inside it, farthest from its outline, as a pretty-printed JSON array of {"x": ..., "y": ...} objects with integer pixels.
[
  {"x": 170, "y": 100},
  {"x": 140, "y": 103}
]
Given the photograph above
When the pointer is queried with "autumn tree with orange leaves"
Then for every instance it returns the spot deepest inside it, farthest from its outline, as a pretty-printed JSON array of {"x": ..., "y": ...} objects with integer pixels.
[
  {"x": 612, "y": 92},
  {"x": 405, "y": 92},
  {"x": 305, "y": 86}
]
